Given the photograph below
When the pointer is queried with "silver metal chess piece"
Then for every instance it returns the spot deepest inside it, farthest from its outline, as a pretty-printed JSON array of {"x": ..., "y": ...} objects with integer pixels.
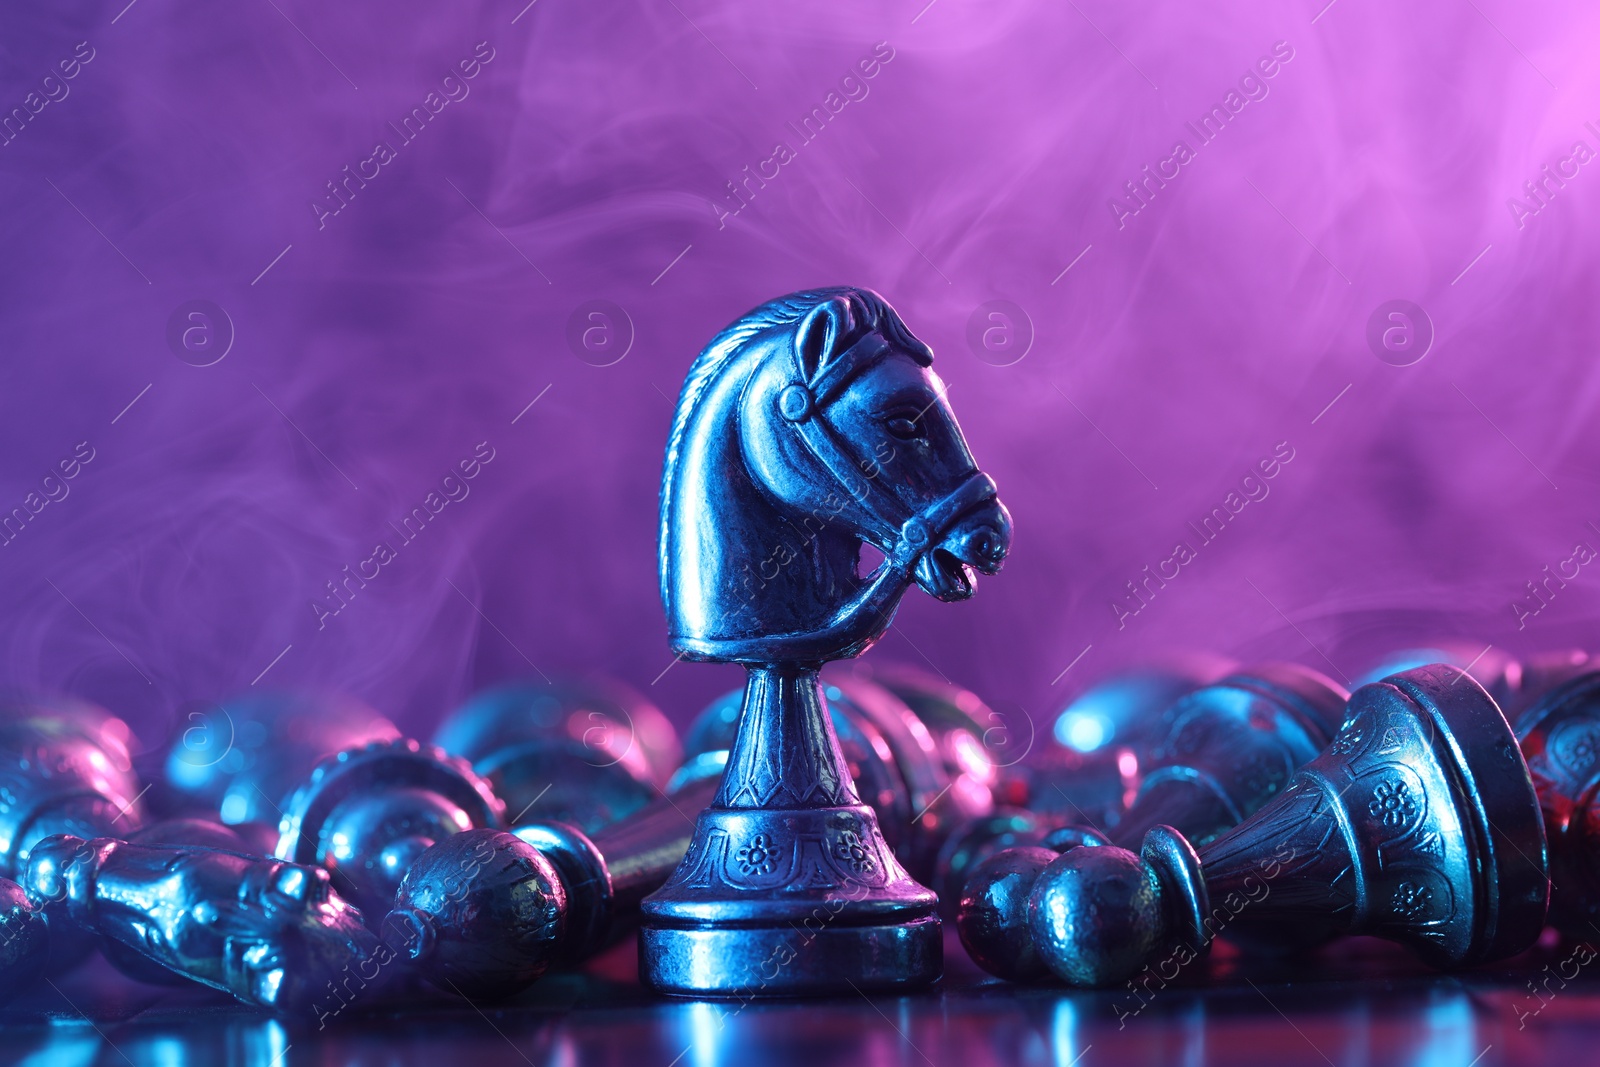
[
  {"x": 972, "y": 742},
  {"x": 1418, "y": 824},
  {"x": 64, "y": 768},
  {"x": 1208, "y": 761},
  {"x": 1560, "y": 738},
  {"x": 1221, "y": 752},
  {"x": 172, "y": 833},
  {"x": 808, "y": 427},
  {"x": 1125, "y": 706},
  {"x": 366, "y": 814},
  {"x": 1085, "y": 765},
  {"x": 273, "y": 934},
  {"x": 586, "y": 752}
]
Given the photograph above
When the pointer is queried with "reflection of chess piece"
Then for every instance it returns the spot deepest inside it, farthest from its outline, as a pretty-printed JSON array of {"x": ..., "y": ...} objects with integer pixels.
[
  {"x": 236, "y": 761},
  {"x": 1228, "y": 748},
  {"x": 24, "y": 941},
  {"x": 177, "y": 833},
  {"x": 367, "y": 813},
  {"x": 271, "y": 933},
  {"x": 582, "y": 752},
  {"x": 810, "y": 426},
  {"x": 1560, "y": 737},
  {"x": 1418, "y": 824}
]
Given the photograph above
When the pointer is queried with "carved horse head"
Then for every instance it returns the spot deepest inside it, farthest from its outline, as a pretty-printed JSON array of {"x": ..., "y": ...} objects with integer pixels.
[{"x": 809, "y": 427}]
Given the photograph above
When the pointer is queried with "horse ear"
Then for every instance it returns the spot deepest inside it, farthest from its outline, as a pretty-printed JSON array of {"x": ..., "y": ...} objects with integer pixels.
[{"x": 821, "y": 334}]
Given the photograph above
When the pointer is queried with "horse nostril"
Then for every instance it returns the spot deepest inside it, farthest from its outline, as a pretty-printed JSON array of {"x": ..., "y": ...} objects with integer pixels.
[{"x": 986, "y": 547}]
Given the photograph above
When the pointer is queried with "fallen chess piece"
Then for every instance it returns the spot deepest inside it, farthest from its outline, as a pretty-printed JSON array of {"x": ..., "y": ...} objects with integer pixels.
[
  {"x": 64, "y": 768},
  {"x": 1221, "y": 752},
  {"x": 581, "y": 752},
  {"x": 971, "y": 741},
  {"x": 1418, "y": 824},
  {"x": 485, "y": 913},
  {"x": 1125, "y": 707},
  {"x": 366, "y": 814},
  {"x": 179, "y": 833},
  {"x": 1214, "y": 757},
  {"x": 1085, "y": 765},
  {"x": 1560, "y": 738},
  {"x": 272, "y": 934}
]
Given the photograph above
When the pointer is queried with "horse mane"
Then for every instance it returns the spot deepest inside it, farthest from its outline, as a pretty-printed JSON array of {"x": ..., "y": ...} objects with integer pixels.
[{"x": 871, "y": 310}]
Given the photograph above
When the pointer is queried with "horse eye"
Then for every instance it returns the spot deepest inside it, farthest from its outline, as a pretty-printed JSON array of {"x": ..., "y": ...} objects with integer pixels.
[{"x": 903, "y": 427}]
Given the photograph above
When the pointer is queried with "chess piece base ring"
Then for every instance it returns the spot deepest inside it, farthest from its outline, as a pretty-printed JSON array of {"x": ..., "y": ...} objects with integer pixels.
[{"x": 787, "y": 960}]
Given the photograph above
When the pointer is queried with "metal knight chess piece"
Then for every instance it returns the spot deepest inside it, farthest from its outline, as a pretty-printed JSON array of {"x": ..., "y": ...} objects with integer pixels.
[
  {"x": 1418, "y": 824},
  {"x": 808, "y": 427}
]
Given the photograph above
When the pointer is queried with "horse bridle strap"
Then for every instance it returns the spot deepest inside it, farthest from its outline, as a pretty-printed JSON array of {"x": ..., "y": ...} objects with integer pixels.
[{"x": 903, "y": 534}]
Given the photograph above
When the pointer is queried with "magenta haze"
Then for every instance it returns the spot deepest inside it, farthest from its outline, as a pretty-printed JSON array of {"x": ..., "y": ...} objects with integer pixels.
[{"x": 590, "y": 162}]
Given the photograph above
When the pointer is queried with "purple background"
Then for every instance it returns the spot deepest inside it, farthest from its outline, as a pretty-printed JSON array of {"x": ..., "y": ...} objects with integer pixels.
[{"x": 373, "y": 353}]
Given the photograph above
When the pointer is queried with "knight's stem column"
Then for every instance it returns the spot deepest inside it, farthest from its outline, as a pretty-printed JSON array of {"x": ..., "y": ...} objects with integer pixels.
[{"x": 788, "y": 886}]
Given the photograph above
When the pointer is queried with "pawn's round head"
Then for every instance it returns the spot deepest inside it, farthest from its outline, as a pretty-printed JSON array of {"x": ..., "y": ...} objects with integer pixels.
[
  {"x": 992, "y": 917},
  {"x": 1095, "y": 915},
  {"x": 366, "y": 813},
  {"x": 373, "y": 838},
  {"x": 482, "y": 913}
]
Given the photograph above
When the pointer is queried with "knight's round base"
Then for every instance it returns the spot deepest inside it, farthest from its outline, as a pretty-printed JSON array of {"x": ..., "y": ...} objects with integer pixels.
[{"x": 787, "y": 961}]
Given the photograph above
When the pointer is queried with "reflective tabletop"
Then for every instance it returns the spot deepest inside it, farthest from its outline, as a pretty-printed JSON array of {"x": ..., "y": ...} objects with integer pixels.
[{"x": 1361, "y": 1002}]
